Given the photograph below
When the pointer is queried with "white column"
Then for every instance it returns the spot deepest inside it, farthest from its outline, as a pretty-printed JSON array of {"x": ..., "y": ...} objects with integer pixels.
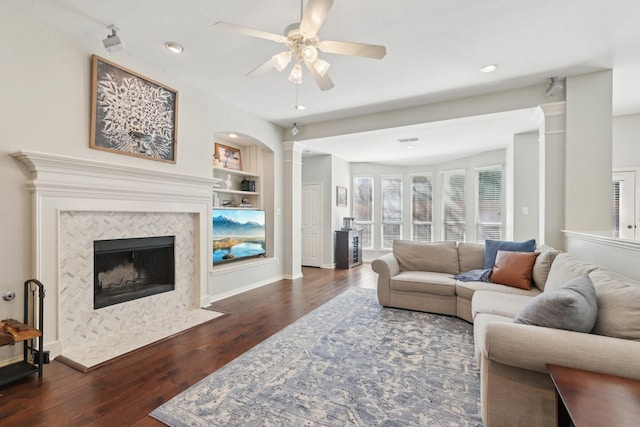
[
  {"x": 292, "y": 209},
  {"x": 552, "y": 175}
]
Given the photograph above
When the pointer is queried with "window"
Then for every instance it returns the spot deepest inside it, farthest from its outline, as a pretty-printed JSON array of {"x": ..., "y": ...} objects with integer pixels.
[
  {"x": 391, "y": 210},
  {"x": 363, "y": 208},
  {"x": 488, "y": 204},
  {"x": 422, "y": 208},
  {"x": 453, "y": 191}
]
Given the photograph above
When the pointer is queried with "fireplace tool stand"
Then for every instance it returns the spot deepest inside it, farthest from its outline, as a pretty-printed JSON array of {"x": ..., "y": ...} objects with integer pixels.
[{"x": 12, "y": 331}]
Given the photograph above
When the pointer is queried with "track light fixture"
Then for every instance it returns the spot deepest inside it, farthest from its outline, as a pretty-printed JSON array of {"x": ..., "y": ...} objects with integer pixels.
[
  {"x": 294, "y": 129},
  {"x": 555, "y": 87},
  {"x": 113, "y": 43}
]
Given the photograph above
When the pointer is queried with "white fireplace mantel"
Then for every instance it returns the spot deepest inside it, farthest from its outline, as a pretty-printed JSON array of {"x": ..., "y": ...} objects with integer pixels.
[
  {"x": 65, "y": 175},
  {"x": 63, "y": 183}
]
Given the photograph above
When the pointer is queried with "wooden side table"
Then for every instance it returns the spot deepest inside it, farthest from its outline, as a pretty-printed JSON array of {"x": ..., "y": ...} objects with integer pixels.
[{"x": 592, "y": 399}]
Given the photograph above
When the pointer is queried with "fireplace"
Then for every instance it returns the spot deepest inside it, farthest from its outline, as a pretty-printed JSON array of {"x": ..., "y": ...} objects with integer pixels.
[{"x": 129, "y": 269}]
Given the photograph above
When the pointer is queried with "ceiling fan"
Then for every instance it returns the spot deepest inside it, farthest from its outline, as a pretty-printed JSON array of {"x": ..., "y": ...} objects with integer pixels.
[{"x": 302, "y": 42}]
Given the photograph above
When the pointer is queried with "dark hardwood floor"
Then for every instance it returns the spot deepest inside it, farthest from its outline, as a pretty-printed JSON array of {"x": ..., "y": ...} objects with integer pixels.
[{"x": 123, "y": 392}]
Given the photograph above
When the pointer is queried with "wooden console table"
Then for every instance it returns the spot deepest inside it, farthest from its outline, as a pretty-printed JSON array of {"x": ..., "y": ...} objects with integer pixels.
[{"x": 592, "y": 399}]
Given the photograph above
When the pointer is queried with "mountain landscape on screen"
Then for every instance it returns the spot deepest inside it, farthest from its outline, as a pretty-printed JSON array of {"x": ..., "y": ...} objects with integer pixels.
[{"x": 237, "y": 234}]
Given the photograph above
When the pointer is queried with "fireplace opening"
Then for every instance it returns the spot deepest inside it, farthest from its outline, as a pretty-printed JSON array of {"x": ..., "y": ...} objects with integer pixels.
[{"x": 128, "y": 269}]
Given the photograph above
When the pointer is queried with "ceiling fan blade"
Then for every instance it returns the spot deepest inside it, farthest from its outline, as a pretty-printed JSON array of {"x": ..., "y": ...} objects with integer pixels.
[
  {"x": 261, "y": 69},
  {"x": 358, "y": 49},
  {"x": 253, "y": 32},
  {"x": 323, "y": 82},
  {"x": 314, "y": 15}
]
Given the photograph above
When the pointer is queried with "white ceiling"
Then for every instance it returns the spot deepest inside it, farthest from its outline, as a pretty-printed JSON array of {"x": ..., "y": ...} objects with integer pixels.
[{"x": 434, "y": 51}]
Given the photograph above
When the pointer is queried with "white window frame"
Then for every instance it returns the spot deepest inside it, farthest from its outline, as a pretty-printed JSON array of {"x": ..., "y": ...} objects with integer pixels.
[
  {"x": 443, "y": 200},
  {"x": 414, "y": 222},
  {"x": 382, "y": 219},
  {"x": 477, "y": 222},
  {"x": 370, "y": 223}
]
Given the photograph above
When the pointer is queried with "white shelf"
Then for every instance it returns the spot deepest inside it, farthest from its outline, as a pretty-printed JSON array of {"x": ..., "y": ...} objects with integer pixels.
[
  {"x": 236, "y": 208},
  {"x": 235, "y": 172},
  {"x": 246, "y": 193}
]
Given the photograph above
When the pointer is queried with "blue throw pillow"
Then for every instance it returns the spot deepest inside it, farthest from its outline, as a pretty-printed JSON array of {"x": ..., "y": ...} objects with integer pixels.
[{"x": 491, "y": 248}]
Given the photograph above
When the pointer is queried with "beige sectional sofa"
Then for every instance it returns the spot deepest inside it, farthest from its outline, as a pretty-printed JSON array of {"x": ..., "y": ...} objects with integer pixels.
[{"x": 516, "y": 389}]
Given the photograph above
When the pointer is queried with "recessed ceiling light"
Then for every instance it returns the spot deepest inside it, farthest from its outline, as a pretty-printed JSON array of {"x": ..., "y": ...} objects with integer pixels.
[
  {"x": 403, "y": 140},
  {"x": 411, "y": 147},
  {"x": 300, "y": 107},
  {"x": 489, "y": 68},
  {"x": 174, "y": 47},
  {"x": 232, "y": 135}
]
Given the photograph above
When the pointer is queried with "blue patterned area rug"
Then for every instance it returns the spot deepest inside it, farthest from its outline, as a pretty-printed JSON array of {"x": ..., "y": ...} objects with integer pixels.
[{"x": 350, "y": 362}]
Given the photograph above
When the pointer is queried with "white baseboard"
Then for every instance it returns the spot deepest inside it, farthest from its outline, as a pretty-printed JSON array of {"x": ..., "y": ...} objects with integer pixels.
[{"x": 237, "y": 291}]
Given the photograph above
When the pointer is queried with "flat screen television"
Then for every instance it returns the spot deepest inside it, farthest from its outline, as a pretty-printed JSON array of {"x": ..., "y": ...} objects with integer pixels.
[{"x": 238, "y": 234}]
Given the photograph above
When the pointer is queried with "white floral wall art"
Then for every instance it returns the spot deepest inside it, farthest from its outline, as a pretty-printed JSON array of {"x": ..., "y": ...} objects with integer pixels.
[{"x": 131, "y": 114}]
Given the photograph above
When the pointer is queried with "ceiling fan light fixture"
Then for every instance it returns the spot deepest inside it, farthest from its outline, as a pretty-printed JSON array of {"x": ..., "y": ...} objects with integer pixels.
[
  {"x": 309, "y": 53},
  {"x": 281, "y": 60},
  {"x": 321, "y": 67},
  {"x": 295, "y": 76}
]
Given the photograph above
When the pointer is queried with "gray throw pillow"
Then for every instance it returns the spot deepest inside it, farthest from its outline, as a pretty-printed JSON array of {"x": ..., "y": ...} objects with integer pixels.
[{"x": 572, "y": 307}]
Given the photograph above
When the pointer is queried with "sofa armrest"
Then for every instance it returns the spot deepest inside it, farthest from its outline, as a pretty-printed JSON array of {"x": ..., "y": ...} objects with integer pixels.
[
  {"x": 532, "y": 347},
  {"x": 386, "y": 266}
]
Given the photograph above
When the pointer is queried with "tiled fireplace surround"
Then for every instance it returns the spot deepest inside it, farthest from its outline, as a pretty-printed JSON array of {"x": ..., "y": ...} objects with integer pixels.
[{"x": 76, "y": 201}]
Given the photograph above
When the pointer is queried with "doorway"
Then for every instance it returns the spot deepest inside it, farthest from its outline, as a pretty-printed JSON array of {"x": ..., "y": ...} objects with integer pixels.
[{"x": 312, "y": 225}]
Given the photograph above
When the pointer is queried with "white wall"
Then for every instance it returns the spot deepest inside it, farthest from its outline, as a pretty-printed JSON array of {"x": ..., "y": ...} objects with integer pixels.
[
  {"x": 331, "y": 172},
  {"x": 45, "y": 88},
  {"x": 588, "y": 152},
  {"x": 626, "y": 141},
  {"x": 525, "y": 192},
  {"x": 340, "y": 176}
]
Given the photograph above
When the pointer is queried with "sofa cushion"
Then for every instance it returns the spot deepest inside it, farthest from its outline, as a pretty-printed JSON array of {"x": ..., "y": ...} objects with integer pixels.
[
  {"x": 439, "y": 257},
  {"x": 514, "y": 268},
  {"x": 491, "y": 248},
  {"x": 498, "y": 303},
  {"x": 467, "y": 289},
  {"x": 564, "y": 268},
  {"x": 423, "y": 281},
  {"x": 470, "y": 256},
  {"x": 618, "y": 304},
  {"x": 572, "y": 307},
  {"x": 480, "y": 324},
  {"x": 543, "y": 265}
]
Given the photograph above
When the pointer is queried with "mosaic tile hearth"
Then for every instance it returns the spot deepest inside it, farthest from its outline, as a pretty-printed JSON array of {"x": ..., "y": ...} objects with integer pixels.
[{"x": 80, "y": 324}]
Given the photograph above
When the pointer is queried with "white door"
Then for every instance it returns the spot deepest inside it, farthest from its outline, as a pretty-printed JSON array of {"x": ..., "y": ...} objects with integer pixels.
[
  {"x": 312, "y": 225},
  {"x": 624, "y": 189}
]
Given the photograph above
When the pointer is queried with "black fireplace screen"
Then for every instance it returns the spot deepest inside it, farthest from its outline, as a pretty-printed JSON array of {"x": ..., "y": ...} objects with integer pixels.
[{"x": 128, "y": 269}]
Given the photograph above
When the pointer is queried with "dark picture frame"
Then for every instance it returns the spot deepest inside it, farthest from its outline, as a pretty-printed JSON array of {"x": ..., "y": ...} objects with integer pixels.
[
  {"x": 341, "y": 196},
  {"x": 228, "y": 157},
  {"x": 131, "y": 114}
]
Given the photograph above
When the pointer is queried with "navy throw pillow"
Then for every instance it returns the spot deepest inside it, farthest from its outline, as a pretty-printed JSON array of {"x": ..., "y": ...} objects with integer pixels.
[{"x": 491, "y": 248}]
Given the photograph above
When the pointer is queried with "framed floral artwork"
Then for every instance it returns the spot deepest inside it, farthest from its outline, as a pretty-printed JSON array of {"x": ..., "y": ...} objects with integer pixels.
[{"x": 131, "y": 114}]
